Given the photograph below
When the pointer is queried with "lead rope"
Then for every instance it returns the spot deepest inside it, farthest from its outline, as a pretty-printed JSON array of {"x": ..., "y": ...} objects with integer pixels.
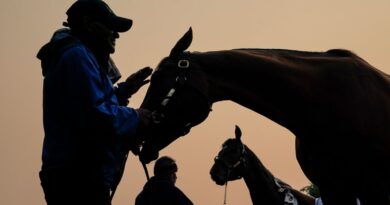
[
  {"x": 226, "y": 184},
  {"x": 146, "y": 171}
]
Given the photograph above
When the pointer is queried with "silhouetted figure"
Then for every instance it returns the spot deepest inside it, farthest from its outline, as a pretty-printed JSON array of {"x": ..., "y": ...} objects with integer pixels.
[
  {"x": 89, "y": 130},
  {"x": 161, "y": 189}
]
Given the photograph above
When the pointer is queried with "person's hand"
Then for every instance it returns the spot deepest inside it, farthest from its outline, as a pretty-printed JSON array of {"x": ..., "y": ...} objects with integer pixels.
[
  {"x": 138, "y": 79},
  {"x": 132, "y": 84},
  {"x": 145, "y": 120}
]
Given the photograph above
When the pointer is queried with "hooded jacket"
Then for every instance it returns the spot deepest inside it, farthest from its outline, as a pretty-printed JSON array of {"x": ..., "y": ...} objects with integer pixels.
[{"x": 85, "y": 127}]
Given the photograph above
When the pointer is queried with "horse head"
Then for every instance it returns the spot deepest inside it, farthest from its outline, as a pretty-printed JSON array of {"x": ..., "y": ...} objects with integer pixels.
[
  {"x": 176, "y": 97},
  {"x": 236, "y": 160},
  {"x": 230, "y": 162}
]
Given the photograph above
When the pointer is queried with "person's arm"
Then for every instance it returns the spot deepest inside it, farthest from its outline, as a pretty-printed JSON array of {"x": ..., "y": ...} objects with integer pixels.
[{"x": 90, "y": 98}]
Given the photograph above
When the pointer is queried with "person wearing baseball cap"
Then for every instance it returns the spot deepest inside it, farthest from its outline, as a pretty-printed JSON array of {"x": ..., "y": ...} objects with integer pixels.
[
  {"x": 161, "y": 189},
  {"x": 97, "y": 10},
  {"x": 88, "y": 127}
]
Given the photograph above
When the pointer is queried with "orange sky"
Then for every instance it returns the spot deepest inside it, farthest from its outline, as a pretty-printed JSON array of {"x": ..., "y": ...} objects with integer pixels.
[{"x": 361, "y": 26}]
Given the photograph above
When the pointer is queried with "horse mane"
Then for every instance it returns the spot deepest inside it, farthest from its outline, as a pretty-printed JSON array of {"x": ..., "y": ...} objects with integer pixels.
[
  {"x": 332, "y": 52},
  {"x": 342, "y": 53}
]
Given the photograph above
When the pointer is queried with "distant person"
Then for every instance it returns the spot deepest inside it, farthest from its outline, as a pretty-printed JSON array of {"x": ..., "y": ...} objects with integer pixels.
[
  {"x": 88, "y": 127},
  {"x": 161, "y": 189}
]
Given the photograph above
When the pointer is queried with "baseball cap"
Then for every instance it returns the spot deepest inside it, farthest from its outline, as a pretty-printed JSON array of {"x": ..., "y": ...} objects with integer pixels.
[{"x": 100, "y": 11}]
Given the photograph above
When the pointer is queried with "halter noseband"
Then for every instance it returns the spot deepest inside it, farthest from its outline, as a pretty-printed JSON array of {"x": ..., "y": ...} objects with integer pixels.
[
  {"x": 159, "y": 114},
  {"x": 230, "y": 167}
]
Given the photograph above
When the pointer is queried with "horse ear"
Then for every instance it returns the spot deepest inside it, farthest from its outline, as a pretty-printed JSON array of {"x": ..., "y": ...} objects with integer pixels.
[
  {"x": 238, "y": 132},
  {"x": 182, "y": 44}
]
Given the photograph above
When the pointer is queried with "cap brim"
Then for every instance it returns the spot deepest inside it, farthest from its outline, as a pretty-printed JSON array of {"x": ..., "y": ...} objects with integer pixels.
[{"x": 119, "y": 24}]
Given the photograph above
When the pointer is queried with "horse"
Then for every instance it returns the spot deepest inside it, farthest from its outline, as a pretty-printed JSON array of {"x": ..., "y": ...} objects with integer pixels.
[
  {"x": 335, "y": 103},
  {"x": 236, "y": 161}
]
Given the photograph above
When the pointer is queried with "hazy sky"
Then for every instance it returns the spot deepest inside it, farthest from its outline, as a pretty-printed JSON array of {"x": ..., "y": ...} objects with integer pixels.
[{"x": 361, "y": 26}]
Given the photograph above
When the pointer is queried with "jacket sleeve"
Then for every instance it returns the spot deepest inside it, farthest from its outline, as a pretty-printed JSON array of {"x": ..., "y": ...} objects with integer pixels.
[
  {"x": 90, "y": 97},
  {"x": 120, "y": 91}
]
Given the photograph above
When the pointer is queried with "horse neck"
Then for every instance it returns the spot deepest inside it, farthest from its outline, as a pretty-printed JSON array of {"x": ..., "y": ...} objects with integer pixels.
[
  {"x": 257, "y": 81},
  {"x": 260, "y": 182},
  {"x": 262, "y": 187}
]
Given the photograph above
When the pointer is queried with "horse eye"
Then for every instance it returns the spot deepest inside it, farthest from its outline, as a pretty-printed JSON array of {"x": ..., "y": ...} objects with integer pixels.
[{"x": 216, "y": 158}]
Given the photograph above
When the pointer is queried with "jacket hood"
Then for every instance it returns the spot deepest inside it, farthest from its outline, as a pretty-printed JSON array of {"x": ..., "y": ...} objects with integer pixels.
[{"x": 50, "y": 52}]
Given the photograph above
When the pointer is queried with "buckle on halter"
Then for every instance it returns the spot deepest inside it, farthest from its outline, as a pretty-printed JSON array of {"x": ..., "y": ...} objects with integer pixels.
[{"x": 183, "y": 64}]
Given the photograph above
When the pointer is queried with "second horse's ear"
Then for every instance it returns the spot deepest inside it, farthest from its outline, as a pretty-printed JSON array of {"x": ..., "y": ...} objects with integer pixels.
[
  {"x": 238, "y": 132},
  {"x": 182, "y": 44}
]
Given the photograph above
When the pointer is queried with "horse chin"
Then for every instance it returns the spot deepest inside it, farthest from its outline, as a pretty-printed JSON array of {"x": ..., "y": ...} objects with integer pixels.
[
  {"x": 220, "y": 183},
  {"x": 216, "y": 176},
  {"x": 218, "y": 180},
  {"x": 158, "y": 140}
]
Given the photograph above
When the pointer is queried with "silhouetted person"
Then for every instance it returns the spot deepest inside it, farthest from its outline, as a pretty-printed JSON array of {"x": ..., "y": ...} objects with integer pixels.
[
  {"x": 161, "y": 189},
  {"x": 89, "y": 130}
]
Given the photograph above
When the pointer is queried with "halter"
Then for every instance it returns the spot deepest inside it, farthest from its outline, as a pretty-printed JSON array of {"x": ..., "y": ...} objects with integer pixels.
[
  {"x": 183, "y": 65},
  {"x": 231, "y": 167},
  {"x": 241, "y": 160}
]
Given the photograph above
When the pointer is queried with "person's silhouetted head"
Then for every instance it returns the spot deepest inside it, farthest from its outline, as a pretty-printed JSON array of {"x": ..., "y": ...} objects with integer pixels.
[
  {"x": 96, "y": 10},
  {"x": 96, "y": 25},
  {"x": 164, "y": 166},
  {"x": 161, "y": 189}
]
